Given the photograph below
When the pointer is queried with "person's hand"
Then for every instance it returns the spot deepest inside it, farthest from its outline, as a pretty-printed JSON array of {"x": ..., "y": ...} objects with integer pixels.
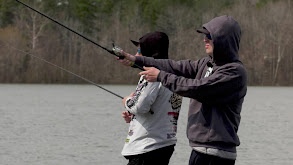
[
  {"x": 128, "y": 60},
  {"x": 125, "y": 98},
  {"x": 150, "y": 74},
  {"x": 127, "y": 116}
]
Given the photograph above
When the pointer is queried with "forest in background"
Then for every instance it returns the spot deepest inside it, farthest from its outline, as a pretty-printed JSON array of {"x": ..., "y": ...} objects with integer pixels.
[{"x": 265, "y": 48}]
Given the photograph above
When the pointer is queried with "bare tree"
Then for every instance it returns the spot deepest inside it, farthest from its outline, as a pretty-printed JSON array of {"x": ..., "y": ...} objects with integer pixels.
[
  {"x": 278, "y": 35},
  {"x": 31, "y": 23}
]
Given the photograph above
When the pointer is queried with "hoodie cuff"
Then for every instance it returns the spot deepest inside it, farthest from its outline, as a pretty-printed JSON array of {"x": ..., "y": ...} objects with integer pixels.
[{"x": 160, "y": 75}]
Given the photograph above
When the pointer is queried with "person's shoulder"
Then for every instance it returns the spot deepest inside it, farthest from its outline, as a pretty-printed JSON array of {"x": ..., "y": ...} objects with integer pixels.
[{"x": 236, "y": 66}]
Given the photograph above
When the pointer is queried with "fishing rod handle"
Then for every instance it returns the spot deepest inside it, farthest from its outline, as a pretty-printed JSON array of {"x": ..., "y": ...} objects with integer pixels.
[{"x": 118, "y": 52}]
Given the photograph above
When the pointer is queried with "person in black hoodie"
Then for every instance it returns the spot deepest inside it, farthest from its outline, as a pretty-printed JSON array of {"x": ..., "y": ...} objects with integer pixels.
[{"x": 216, "y": 85}]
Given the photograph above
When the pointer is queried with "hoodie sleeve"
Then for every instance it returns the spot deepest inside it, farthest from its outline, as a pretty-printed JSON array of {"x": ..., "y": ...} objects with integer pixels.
[
  {"x": 186, "y": 68},
  {"x": 224, "y": 85},
  {"x": 145, "y": 95}
]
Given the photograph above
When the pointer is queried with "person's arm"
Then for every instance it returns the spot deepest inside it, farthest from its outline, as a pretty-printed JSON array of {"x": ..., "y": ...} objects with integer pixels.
[
  {"x": 224, "y": 85},
  {"x": 144, "y": 97},
  {"x": 186, "y": 68}
]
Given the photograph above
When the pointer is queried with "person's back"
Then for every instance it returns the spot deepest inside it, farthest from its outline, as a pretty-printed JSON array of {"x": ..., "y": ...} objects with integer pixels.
[{"x": 155, "y": 111}]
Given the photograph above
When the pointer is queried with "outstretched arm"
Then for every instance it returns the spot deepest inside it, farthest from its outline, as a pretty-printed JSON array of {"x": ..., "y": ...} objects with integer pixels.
[{"x": 186, "y": 68}]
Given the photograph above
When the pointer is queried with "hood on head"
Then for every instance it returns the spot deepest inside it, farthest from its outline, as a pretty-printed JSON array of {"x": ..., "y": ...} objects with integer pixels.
[
  {"x": 226, "y": 34},
  {"x": 154, "y": 44}
]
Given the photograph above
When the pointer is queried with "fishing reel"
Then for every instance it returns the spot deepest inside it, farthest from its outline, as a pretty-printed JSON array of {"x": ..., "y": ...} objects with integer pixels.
[{"x": 118, "y": 51}]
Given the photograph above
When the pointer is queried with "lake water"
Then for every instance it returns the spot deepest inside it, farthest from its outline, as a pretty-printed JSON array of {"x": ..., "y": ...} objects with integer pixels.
[{"x": 82, "y": 125}]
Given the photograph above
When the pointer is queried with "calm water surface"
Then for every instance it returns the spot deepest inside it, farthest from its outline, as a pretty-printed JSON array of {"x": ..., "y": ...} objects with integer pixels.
[{"x": 82, "y": 125}]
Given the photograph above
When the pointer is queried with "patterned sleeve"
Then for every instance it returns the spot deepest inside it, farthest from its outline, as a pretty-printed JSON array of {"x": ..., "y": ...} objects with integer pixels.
[{"x": 143, "y": 98}]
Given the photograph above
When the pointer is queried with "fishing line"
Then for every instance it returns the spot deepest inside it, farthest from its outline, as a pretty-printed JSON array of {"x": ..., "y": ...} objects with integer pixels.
[
  {"x": 89, "y": 81},
  {"x": 116, "y": 51}
]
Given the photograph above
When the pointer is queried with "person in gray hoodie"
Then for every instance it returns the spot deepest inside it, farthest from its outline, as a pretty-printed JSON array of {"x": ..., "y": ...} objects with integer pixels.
[{"x": 216, "y": 86}]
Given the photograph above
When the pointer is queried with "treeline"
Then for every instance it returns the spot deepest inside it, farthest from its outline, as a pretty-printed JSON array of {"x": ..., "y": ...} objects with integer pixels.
[{"x": 266, "y": 45}]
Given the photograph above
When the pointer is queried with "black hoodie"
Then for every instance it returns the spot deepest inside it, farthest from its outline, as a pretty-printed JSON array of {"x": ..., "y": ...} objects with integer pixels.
[{"x": 216, "y": 100}]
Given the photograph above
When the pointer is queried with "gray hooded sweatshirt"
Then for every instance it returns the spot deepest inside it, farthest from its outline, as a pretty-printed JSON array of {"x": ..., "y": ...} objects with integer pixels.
[{"x": 216, "y": 100}]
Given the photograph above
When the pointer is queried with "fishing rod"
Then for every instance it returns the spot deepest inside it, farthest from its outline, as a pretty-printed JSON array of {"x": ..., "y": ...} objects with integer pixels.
[
  {"x": 116, "y": 51},
  {"x": 89, "y": 81}
]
